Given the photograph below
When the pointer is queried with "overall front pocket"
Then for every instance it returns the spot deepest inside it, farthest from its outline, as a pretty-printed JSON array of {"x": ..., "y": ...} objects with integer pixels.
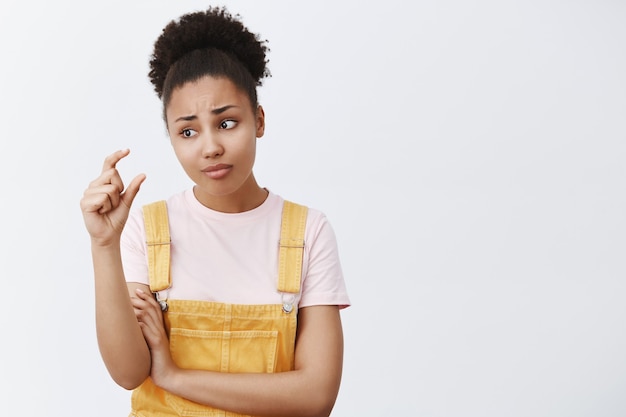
[{"x": 231, "y": 351}]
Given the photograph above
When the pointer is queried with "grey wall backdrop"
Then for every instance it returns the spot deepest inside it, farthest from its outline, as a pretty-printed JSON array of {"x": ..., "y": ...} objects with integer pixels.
[{"x": 470, "y": 156}]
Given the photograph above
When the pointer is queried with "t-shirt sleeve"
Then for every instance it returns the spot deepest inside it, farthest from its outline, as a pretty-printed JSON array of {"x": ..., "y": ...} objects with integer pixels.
[
  {"x": 323, "y": 282},
  {"x": 133, "y": 247}
]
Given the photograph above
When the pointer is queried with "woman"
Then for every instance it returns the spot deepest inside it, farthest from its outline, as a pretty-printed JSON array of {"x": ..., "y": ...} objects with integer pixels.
[{"x": 224, "y": 296}]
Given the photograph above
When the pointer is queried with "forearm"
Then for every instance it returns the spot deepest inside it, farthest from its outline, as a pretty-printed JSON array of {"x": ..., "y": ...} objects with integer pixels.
[
  {"x": 309, "y": 390},
  {"x": 121, "y": 342},
  {"x": 294, "y": 393}
]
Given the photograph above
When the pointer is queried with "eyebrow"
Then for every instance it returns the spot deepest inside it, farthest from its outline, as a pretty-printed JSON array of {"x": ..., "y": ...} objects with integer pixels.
[{"x": 217, "y": 111}]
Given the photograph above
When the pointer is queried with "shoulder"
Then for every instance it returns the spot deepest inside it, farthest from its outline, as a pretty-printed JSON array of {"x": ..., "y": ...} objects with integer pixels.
[
  {"x": 317, "y": 222},
  {"x": 314, "y": 215}
]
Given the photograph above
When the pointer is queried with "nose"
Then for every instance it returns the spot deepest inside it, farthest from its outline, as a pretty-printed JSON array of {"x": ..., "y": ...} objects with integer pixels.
[{"x": 211, "y": 146}]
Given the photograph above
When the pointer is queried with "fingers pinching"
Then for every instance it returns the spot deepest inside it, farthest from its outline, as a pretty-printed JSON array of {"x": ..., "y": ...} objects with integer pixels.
[
  {"x": 111, "y": 182},
  {"x": 106, "y": 203},
  {"x": 112, "y": 160},
  {"x": 133, "y": 189}
]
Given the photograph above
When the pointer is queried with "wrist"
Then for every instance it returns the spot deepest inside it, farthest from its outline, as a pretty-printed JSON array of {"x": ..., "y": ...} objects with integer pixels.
[
  {"x": 168, "y": 378},
  {"x": 105, "y": 244}
]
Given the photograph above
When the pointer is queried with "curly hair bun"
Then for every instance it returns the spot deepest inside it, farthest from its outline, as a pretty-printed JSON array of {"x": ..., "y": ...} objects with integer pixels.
[{"x": 213, "y": 28}]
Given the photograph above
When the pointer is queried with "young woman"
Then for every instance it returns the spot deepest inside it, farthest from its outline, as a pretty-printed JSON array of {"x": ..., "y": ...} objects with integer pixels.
[{"x": 224, "y": 296}]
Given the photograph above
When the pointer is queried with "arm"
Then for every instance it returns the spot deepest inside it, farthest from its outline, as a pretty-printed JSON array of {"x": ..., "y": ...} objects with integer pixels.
[
  {"x": 309, "y": 390},
  {"x": 105, "y": 206}
]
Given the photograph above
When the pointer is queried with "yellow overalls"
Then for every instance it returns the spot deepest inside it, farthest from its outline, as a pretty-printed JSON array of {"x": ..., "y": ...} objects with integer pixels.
[{"x": 216, "y": 336}]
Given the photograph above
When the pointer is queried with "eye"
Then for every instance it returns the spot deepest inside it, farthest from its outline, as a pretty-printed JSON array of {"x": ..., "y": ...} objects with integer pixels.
[
  {"x": 188, "y": 133},
  {"x": 228, "y": 124}
]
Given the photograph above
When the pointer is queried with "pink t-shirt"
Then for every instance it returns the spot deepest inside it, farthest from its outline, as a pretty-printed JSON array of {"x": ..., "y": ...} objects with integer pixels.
[{"x": 233, "y": 257}]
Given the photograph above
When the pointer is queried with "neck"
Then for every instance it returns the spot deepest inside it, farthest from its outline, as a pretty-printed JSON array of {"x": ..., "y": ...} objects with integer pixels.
[{"x": 245, "y": 199}]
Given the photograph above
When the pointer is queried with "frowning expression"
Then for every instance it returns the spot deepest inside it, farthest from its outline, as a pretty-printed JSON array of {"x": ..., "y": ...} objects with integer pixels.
[{"x": 213, "y": 129}]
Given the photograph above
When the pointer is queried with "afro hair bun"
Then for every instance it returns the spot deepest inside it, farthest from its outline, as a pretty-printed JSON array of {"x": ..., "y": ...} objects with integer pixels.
[{"x": 213, "y": 28}]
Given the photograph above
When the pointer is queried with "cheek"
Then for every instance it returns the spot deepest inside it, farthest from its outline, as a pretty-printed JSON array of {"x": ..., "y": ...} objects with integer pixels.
[
  {"x": 183, "y": 153},
  {"x": 249, "y": 150}
]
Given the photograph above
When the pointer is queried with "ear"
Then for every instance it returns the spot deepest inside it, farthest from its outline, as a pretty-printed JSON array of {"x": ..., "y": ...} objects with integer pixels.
[{"x": 260, "y": 122}]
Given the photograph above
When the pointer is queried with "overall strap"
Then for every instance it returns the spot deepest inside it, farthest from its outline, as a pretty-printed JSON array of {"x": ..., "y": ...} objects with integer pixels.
[
  {"x": 158, "y": 244},
  {"x": 291, "y": 248}
]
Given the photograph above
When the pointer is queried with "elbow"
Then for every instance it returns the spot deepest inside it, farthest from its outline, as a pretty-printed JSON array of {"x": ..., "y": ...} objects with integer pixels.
[
  {"x": 129, "y": 372},
  {"x": 322, "y": 405},
  {"x": 322, "y": 412},
  {"x": 128, "y": 382},
  {"x": 129, "y": 378}
]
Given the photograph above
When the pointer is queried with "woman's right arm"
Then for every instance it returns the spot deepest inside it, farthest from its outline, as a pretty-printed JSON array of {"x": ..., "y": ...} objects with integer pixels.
[{"x": 105, "y": 206}]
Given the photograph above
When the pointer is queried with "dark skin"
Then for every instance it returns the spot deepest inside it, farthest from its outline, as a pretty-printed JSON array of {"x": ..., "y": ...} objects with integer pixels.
[{"x": 129, "y": 321}]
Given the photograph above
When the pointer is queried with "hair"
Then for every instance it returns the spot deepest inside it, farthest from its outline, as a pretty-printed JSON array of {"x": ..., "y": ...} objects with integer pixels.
[{"x": 208, "y": 43}]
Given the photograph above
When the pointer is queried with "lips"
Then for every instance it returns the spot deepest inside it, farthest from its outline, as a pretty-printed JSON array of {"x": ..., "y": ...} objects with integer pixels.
[{"x": 217, "y": 171}]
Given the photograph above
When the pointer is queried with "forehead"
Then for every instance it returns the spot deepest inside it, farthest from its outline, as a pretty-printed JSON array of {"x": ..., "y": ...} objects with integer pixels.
[{"x": 205, "y": 94}]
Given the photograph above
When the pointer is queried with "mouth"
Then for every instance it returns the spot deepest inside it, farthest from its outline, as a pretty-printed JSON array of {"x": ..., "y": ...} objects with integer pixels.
[{"x": 217, "y": 171}]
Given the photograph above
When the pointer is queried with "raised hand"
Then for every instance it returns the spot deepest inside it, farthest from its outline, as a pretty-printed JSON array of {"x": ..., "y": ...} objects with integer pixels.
[{"x": 106, "y": 204}]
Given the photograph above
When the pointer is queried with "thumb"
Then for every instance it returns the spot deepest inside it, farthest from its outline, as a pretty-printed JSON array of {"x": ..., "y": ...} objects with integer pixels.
[{"x": 133, "y": 188}]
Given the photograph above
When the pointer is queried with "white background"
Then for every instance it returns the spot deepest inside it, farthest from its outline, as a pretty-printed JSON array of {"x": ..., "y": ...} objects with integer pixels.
[{"x": 470, "y": 156}]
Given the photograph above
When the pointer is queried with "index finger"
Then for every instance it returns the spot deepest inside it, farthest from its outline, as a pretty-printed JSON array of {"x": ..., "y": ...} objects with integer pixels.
[{"x": 112, "y": 160}]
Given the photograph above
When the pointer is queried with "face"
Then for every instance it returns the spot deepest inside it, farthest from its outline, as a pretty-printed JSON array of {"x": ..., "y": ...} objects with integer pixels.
[{"x": 213, "y": 130}]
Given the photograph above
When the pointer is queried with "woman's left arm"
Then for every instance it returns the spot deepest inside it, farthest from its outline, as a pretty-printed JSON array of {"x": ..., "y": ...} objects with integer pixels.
[{"x": 309, "y": 390}]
